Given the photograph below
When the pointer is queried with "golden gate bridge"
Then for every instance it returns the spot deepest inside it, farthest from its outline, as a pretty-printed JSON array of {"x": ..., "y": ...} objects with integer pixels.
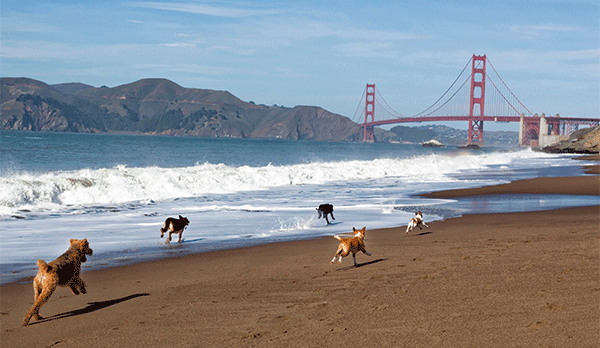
[{"x": 475, "y": 98}]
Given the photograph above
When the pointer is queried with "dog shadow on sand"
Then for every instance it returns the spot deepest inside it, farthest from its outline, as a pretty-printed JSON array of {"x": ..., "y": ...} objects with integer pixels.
[
  {"x": 358, "y": 265},
  {"x": 91, "y": 307},
  {"x": 422, "y": 233}
]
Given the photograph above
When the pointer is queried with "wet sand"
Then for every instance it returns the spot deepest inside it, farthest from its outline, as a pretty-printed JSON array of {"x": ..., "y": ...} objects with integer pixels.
[{"x": 492, "y": 280}]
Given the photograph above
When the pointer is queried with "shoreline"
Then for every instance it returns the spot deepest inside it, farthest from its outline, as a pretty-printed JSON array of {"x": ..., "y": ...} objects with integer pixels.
[{"x": 463, "y": 281}]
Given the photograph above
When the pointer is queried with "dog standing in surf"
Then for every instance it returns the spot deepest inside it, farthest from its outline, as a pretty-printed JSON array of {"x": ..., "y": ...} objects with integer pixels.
[{"x": 174, "y": 225}]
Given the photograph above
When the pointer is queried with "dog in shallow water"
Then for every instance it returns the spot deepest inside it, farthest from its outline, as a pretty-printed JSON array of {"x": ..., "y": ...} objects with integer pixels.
[
  {"x": 64, "y": 271},
  {"x": 417, "y": 221},
  {"x": 325, "y": 209},
  {"x": 174, "y": 226},
  {"x": 351, "y": 245}
]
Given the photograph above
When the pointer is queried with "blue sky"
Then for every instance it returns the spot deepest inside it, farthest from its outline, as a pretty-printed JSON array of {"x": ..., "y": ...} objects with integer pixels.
[{"x": 314, "y": 52}]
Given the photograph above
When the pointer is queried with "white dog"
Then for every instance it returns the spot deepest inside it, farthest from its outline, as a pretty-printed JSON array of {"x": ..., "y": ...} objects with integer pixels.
[{"x": 417, "y": 221}]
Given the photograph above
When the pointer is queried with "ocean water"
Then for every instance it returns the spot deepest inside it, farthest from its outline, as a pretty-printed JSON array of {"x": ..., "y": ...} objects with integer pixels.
[{"x": 117, "y": 190}]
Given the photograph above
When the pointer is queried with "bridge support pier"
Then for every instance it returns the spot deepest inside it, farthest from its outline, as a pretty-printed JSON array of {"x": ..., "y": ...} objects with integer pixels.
[
  {"x": 521, "y": 129},
  {"x": 539, "y": 132}
]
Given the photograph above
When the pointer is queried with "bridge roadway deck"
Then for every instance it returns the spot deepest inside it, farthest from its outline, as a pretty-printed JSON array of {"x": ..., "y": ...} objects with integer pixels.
[{"x": 550, "y": 119}]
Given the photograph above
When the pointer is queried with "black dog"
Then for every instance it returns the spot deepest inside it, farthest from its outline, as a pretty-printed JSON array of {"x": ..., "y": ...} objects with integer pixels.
[
  {"x": 175, "y": 226},
  {"x": 325, "y": 209}
]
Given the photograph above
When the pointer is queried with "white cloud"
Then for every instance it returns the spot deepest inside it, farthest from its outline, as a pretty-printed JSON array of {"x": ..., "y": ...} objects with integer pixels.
[
  {"x": 179, "y": 45},
  {"x": 532, "y": 31},
  {"x": 374, "y": 49},
  {"x": 304, "y": 28},
  {"x": 208, "y": 10}
]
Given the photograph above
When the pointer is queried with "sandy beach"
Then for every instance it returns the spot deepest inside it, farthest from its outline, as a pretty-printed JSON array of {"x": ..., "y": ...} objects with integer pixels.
[{"x": 497, "y": 280}]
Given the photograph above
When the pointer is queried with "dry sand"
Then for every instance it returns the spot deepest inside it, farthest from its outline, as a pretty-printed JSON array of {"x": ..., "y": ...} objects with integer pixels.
[{"x": 496, "y": 280}]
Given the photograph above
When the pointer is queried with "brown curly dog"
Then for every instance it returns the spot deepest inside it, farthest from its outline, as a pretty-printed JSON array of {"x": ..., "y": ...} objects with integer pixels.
[{"x": 64, "y": 271}]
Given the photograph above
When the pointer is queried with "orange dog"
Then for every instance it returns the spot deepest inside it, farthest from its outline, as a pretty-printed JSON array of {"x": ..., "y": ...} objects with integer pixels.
[
  {"x": 351, "y": 245},
  {"x": 64, "y": 271}
]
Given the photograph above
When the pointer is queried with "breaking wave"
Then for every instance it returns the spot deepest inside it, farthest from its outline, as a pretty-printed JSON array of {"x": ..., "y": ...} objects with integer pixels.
[{"x": 121, "y": 184}]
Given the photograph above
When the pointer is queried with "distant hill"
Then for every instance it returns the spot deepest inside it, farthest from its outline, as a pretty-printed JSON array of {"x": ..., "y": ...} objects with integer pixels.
[
  {"x": 160, "y": 106},
  {"x": 452, "y": 136}
]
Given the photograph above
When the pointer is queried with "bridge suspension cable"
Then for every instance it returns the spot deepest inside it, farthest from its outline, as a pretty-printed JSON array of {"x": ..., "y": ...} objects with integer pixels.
[
  {"x": 357, "y": 115},
  {"x": 392, "y": 112},
  {"x": 514, "y": 96},
  {"x": 442, "y": 96}
]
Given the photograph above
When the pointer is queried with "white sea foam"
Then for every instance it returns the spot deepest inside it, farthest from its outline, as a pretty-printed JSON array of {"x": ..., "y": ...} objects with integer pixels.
[{"x": 63, "y": 191}]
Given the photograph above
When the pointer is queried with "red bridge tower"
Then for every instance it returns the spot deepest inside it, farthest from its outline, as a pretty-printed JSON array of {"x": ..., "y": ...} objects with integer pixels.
[
  {"x": 477, "y": 98},
  {"x": 369, "y": 111}
]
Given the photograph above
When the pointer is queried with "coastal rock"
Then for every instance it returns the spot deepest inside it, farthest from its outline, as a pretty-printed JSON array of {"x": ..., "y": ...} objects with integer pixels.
[
  {"x": 585, "y": 140},
  {"x": 432, "y": 143},
  {"x": 470, "y": 147}
]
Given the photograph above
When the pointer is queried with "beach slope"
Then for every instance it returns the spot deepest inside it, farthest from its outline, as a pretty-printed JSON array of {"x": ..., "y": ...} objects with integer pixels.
[{"x": 497, "y": 280}]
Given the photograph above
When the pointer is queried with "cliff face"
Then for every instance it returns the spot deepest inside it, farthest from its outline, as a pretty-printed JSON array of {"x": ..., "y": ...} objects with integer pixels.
[
  {"x": 309, "y": 123},
  {"x": 159, "y": 106},
  {"x": 585, "y": 140}
]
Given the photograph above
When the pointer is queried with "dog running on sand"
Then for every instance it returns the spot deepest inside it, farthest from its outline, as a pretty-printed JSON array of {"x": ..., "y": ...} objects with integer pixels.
[
  {"x": 64, "y": 271},
  {"x": 351, "y": 245},
  {"x": 174, "y": 226},
  {"x": 417, "y": 221},
  {"x": 325, "y": 209}
]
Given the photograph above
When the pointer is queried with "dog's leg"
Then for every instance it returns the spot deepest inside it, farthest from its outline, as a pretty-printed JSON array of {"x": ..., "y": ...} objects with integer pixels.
[
  {"x": 180, "y": 233},
  {"x": 362, "y": 248},
  {"x": 354, "y": 258},
  {"x": 37, "y": 289},
  {"x": 339, "y": 257},
  {"x": 74, "y": 289},
  {"x": 332, "y": 216},
  {"x": 326, "y": 219},
  {"x": 77, "y": 285},
  {"x": 333, "y": 260},
  {"x": 81, "y": 285},
  {"x": 338, "y": 254},
  {"x": 39, "y": 302}
]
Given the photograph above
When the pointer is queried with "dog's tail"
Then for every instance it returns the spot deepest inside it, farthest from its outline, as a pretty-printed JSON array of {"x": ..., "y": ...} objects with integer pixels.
[
  {"x": 43, "y": 266},
  {"x": 165, "y": 227},
  {"x": 338, "y": 238}
]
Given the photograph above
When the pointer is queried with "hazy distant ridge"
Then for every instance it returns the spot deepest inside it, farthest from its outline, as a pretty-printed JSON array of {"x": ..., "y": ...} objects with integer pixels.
[{"x": 160, "y": 106}]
